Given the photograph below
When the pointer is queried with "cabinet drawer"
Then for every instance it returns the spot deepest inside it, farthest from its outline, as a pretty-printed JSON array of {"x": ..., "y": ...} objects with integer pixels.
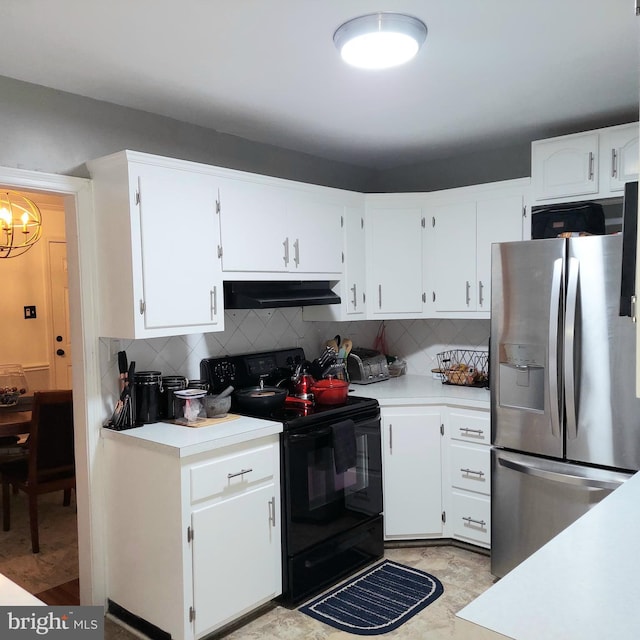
[
  {"x": 471, "y": 468},
  {"x": 470, "y": 426},
  {"x": 231, "y": 473},
  {"x": 472, "y": 518}
]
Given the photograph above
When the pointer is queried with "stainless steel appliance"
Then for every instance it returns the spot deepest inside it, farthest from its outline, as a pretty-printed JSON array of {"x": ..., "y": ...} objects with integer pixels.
[
  {"x": 365, "y": 366},
  {"x": 565, "y": 421},
  {"x": 331, "y": 475}
]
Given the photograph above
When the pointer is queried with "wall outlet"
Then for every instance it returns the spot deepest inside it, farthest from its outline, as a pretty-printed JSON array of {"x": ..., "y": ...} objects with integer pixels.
[{"x": 30, "y": 312}]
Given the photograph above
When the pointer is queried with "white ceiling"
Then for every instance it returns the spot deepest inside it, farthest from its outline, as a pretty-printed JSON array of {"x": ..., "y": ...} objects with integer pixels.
[{"x": 491, "y": 71}]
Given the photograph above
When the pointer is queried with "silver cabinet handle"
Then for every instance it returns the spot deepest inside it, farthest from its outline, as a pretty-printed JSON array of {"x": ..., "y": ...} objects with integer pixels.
[
  {"x": 239, "y": 473},
  {"x": 214, "y": 302},
  {"x": 480, "y": 293},
  {"x": 468, "y": 285},
  {"x": 380, "y": 296},
  {"x": 355, "y": 297},
  {"x": 467, "y": 430},
  {"x": 471, "y": 471},
  {"x": 390, "y": 438},
  {"x": 285, "y": 244},
  {"x": 590, "y": 165},
  {"x": 272, "y": 511},
  {"x": 468, "y": 520},
  {"x": 614, "y": 163},
  {"x": 296, "y": 252}
]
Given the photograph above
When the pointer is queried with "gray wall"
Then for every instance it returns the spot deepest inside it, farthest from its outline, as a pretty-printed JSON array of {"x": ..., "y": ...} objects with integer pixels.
[{"x": 48, "y": 130}]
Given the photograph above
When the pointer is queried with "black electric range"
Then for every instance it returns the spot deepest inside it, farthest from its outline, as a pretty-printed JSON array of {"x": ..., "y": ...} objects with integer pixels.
[{"x": 331, "y": 475}]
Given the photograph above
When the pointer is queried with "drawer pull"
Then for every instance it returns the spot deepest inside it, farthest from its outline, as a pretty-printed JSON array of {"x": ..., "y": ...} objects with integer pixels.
[
  {"x": 240, "y": 473},
  {"x": 471, "y": 471},
  {"x": 467, "y": 431},
  {"x": 468, "y": 520}
]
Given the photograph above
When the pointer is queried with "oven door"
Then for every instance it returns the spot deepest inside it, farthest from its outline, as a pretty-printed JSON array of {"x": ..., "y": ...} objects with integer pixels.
[{"x": 323, "y": 497}]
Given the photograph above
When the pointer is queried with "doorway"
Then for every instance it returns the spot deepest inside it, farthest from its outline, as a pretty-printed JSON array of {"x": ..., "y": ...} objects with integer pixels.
[
  {"x": 76, "y": 195},
  {"x": 39, "y": 340}
]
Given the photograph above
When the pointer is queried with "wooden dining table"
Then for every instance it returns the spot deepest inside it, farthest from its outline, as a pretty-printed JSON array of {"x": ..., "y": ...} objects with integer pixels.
[
  {"x": 16, "y": 420},
  {"x": 14, "y": 423}
]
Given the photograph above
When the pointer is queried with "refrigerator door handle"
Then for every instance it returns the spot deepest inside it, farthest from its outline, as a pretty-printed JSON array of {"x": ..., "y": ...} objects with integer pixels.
[
  {"x": 569, "y": 347},
  {"x": 554, "y": 315},
  {"x": 554, "y": 476}
]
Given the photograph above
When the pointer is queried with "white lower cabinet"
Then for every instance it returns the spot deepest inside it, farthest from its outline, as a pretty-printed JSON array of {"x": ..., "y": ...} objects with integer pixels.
[
  {"x": 411, "y": 441},
  {"x": 193, "y": 543},
  {"x": 468, "y": 475}
]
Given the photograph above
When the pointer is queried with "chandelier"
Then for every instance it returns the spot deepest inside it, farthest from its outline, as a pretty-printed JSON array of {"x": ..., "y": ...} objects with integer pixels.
[{"x": 20, "y": 224}]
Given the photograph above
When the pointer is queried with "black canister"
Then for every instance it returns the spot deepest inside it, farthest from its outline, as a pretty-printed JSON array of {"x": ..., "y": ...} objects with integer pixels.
[
  {"x": 169, "y": 385},
  {"x": 147, "y": 386},
  {"x": 198, "y": 384}
]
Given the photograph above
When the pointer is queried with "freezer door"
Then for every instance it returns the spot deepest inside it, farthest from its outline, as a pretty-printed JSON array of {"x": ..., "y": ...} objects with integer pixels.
[
  {"x": 534, "y": 499},
  {"x": 527, "y": 304},
  {"x": 602, "y": 411}
]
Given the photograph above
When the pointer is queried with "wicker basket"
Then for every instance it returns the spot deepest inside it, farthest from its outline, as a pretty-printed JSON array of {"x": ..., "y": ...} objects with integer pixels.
[{"x": 464, "y": 367}]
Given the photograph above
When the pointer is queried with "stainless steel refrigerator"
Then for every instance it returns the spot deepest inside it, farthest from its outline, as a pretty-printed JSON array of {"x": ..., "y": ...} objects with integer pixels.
[{"x": 565, "y": 422}]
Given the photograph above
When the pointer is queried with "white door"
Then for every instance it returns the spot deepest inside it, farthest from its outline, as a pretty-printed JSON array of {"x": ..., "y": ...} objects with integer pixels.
[
  {"x": 316, "y": 235},
  {"x": 236, "y": 557},
  {"x": 60, "y": 326},
  {"x": 497, "y": 220},
  {"x": 395, "y": 260},
  {"x": 412, "y": 474},
  {"x": 622, "y": 157},
  {"x": 566, "y": 166},
  {"x": 355, "y": 268},
  {"x": 179, "y": 228},
  {"x": 253, "y": 227},
  {"x": 454, "y": 226}
]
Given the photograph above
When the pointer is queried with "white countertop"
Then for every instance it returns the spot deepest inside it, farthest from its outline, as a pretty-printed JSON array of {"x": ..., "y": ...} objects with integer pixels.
[
  {"x": 409, "y": 389},
  {"x": 13, "y": 595},
  {"x": 181, "y": 441},
  {"x": 584, "y": 584}
]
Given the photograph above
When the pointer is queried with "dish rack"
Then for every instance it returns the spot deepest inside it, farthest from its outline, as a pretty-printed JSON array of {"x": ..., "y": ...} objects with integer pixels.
[{"x": 464, "y": 367}]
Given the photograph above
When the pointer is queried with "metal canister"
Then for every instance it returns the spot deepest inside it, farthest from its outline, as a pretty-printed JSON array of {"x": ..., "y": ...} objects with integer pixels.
[
  {"x": 169, "y": 385},
  {"x": 147, "y": 386}
]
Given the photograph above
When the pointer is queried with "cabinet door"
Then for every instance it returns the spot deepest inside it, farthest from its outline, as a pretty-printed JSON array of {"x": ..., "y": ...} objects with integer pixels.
[
  {"x": 179, "y": 237},
  {"x": 253, "y": 227},
  {"x": 355, "y": 269},
  {"x": 315, "y": 232},
  {"x": 620, "y": 150},
  {"x": 454, "y": 277},
  {"x": 236, "y": 557},
  {"x": 412, "y": 474},
  {"x": 395, "y": 260},
  {"x": 566, "y": 166},
  {"x": 497, "y": 220}
]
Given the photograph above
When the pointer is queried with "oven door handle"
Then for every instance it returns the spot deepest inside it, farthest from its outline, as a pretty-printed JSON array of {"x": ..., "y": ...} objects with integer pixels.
[{"x": 309, "y": 436}]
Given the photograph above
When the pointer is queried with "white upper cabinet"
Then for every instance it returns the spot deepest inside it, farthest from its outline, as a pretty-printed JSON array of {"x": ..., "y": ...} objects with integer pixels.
[
  {"x": 590, "y": 165},
  {"x": 270, "y": 226},
  {"x": 620, "y": 156},
  {"x": 158, "y": 238},
  {"x": 352, "y": 283},
  {"x": 394, "y": 258},
  {"x": 462, "y": 226}
]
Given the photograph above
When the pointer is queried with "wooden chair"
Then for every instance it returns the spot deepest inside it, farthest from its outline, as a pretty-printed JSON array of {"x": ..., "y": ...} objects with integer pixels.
[{"x": 50, "y": 463}]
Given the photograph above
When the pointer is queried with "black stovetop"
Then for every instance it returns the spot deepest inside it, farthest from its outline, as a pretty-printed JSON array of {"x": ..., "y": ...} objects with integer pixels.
[{"x": 272, "y": 367}]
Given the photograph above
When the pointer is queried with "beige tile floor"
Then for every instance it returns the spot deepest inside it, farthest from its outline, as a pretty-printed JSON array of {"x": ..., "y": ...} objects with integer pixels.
[{"x": 464, "y": 574}]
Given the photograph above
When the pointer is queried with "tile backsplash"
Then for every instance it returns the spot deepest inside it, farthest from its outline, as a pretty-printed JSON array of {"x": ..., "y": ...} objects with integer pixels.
[{"x": 248, "y": 330}]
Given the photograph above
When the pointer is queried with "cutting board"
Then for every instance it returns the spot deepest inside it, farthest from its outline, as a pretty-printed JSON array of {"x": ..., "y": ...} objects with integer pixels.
[{"x": 206, "y": 422}]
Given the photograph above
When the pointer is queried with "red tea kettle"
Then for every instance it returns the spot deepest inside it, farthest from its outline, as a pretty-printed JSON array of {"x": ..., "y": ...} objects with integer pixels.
[{"x": 302, "y": 382}]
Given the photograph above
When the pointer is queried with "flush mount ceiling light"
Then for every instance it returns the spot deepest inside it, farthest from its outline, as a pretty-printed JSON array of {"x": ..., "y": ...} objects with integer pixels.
[{"x": 380, "y": 40}]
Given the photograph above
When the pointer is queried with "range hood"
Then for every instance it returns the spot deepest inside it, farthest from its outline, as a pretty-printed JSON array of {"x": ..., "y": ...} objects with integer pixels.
[{"x": 270, "y": 295}]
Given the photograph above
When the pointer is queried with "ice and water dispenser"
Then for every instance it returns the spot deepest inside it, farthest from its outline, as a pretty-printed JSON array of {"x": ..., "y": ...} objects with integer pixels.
[{"x": 521, "y": 376}]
